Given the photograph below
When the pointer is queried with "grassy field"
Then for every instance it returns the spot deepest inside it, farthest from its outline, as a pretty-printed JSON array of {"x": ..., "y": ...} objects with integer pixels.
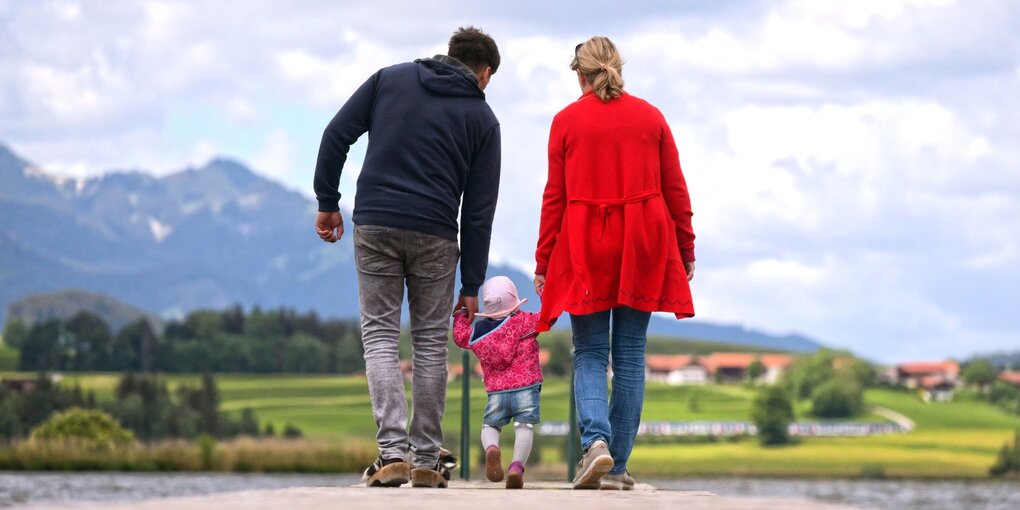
[
  {"x": 333, "y": 406},
  {"x": 952, "y": 440}
]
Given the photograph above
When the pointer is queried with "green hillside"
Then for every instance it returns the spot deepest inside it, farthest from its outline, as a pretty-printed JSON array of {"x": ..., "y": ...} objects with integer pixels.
[{"x": 956, "y": 439}]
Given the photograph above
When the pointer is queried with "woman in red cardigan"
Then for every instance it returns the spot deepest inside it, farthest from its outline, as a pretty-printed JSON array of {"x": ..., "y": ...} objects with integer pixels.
[{"x": 615, "y": 244}]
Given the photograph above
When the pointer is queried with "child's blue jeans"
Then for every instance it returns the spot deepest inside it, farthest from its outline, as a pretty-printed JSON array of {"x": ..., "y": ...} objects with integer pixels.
[{"x": 521, "y": 405}]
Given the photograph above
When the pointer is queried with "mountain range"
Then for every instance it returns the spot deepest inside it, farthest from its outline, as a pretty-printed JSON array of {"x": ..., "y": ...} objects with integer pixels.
[
  {"x": 63, "y": 305},
  {"x": 205, "y": 237}
]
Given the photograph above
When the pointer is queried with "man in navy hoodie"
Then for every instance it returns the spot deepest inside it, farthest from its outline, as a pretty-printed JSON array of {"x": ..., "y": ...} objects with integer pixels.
[{"x": 432, "y": 140}]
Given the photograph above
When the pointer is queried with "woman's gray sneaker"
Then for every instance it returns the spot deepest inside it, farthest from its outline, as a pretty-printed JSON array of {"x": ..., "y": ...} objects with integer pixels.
[
  {"x": 620, "y": 482},
  {"x": 594, "y": 465},
  {"x": 387, "y": 473}
]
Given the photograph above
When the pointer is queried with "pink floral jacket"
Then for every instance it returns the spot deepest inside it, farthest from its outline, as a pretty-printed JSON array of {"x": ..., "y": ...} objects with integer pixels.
[{"x": 508, "y": 353}]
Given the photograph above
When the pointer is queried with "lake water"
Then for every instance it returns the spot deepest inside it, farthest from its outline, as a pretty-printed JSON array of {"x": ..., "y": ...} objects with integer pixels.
[
  {"x": 891, "y": 494},
  {"x": 18, "y": 489}
]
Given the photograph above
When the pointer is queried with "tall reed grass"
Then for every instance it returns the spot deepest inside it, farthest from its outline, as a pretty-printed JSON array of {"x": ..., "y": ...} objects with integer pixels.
[{"x": 239, "y": 455}]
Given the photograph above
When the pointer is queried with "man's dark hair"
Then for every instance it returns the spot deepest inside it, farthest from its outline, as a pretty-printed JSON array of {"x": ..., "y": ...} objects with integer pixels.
[{"x": 474, "y": 49}]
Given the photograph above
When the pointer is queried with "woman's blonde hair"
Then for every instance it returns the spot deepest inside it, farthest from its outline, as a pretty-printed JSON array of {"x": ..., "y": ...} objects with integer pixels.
[{"x": 600, "y": 63}]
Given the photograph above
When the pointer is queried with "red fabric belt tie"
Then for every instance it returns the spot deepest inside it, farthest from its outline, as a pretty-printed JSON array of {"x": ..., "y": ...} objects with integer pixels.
[{"x": 605, "y": 204}]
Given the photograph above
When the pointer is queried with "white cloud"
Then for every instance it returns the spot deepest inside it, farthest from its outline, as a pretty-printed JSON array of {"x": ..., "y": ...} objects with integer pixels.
[
  {"x": 780, "y": 272},
  {"x": 329, "y": 81},
  {"x": 241, "y": 111},
  {"x": 202, "y": 152},
  {"x": 797, "y": 37},
  {"x": 1005, "y": 257},
  {"x": 277, "y": 156},
  {"x": 860, "y": 14},
  {"x": 161, "y": 18},
  {"x": 866, "y": 302},
  {"x": 81, "y": 95},
  {"x": 67, "y": 11}
]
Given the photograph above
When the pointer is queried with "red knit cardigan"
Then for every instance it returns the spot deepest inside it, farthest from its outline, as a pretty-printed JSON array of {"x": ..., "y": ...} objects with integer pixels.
[{"x": 616, "y": 215}]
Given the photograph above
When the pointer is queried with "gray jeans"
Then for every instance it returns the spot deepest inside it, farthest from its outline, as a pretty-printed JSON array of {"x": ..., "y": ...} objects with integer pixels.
[{"x": 387, "y": 260}]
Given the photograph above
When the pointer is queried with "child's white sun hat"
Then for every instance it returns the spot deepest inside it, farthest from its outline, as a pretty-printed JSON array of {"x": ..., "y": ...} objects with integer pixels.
[{"x": 499, "y": 298}]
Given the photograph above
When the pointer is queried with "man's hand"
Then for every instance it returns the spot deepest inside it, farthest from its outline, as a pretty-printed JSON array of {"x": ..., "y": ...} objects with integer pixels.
[
  {"x": 689, "y": 267},
  {"x": 329, "y": 226},
  {"x": 539, "y": 284},
  {"x": 469, "y": 303}
]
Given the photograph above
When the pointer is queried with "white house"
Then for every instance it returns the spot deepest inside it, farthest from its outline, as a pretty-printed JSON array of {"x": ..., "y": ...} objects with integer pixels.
[{"x": 676, "y": 370}]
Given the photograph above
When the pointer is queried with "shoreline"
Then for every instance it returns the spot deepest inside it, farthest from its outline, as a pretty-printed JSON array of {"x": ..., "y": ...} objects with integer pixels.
[
  {"x": 128, "y": 490},
  {"x": 537, "y": 474},
  {"x": 466, "y": 495}
]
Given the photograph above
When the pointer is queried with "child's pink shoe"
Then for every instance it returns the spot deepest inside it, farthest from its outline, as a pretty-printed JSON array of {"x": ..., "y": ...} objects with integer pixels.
[
  {"x": 515, "y": 476},
  {"x": 493, "y": 464}
]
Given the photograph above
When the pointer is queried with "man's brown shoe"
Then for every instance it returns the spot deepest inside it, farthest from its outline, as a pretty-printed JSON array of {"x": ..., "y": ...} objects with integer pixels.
[
  {"x": 436, "y": 477},
  {"x": 387, "y": 473}
]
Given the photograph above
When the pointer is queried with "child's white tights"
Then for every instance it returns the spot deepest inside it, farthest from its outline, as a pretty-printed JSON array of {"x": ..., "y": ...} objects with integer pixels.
[{"x": 524, "y": 436}]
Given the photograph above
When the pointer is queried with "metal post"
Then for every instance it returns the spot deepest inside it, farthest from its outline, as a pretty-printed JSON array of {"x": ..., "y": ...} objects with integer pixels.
[
  {"x": 572, "y": 434},
  {"x": 465, "y": 419}
]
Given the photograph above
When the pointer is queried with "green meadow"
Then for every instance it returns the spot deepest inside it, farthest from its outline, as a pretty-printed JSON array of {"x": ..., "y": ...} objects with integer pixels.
[
  {"x": 952, "y": 440},
  {"x": 958, "y": 439}
]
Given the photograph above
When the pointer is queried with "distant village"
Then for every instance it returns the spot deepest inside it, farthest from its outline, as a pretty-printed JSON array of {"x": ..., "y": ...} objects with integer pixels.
[{"x": 935, "y": 381}]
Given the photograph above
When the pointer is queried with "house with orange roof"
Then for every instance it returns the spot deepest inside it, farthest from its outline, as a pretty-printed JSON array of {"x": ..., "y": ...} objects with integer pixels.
[
  {"x": 720, "y": 366},
  {"x": 935, "y": 379},
  {"x": 676, "y": 370},
  {"x": 733, "y": 366},
  {"x": 920, "y": 374},
  {"x": 775, "y": 366},
  {"x": 1010, "y": 377}
]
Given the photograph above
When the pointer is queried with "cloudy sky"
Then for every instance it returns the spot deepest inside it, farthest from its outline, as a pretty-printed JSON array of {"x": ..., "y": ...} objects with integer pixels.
[{"x": 854, "y": 166}]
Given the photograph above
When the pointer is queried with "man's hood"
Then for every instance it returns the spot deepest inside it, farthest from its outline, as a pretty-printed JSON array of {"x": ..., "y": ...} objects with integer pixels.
[{"x": 448, "y": 79}]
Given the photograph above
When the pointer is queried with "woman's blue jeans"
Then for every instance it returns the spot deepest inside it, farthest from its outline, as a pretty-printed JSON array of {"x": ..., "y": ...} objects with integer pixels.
[{"x": 614, "y": 420}]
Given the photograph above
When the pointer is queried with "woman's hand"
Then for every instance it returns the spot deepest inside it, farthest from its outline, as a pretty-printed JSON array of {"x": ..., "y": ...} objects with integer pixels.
[
  {"x": 539, "y": 284},
  {"x": 689, "y": 267}
]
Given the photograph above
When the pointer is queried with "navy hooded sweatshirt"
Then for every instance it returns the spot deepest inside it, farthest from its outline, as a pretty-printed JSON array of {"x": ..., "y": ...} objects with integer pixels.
[{"x": 432, "y": 140}]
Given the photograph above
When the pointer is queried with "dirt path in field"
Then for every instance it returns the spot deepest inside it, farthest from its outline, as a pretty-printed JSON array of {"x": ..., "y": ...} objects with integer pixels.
[{"x": 906, "y": 423}]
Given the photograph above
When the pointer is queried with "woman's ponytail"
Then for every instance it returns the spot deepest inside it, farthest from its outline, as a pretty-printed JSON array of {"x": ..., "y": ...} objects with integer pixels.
[{"x": 602, "y": 66}]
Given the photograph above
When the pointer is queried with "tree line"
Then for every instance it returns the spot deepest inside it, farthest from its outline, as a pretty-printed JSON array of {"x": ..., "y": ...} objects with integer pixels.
[
  {"x": 984, "y": 376},
  {"x": 143, "y": 403},
  {"x": 204, "y": 341},
  {"x": 833, "y": 382}
]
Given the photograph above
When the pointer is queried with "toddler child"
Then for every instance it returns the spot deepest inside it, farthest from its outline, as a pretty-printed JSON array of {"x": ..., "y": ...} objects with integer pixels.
[{"x": 504, "y": 341}]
